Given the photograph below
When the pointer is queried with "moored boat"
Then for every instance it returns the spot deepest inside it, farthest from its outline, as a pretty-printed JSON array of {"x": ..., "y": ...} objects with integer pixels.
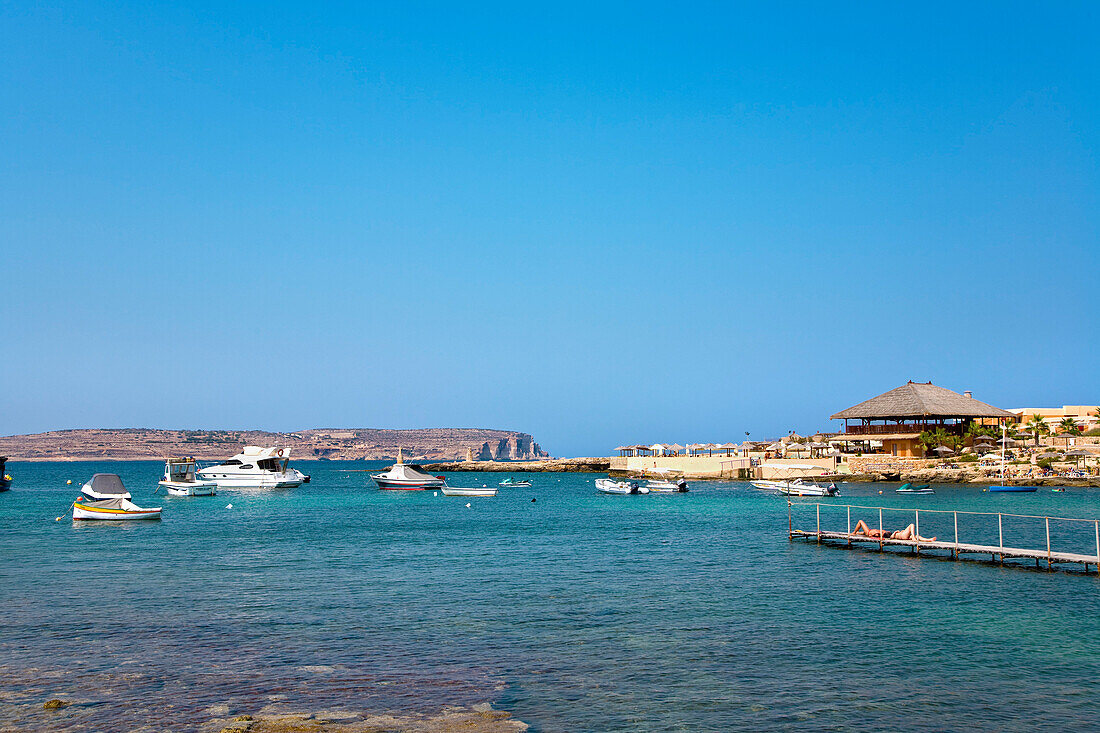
[
  {"x": 908, "y": 488},
  {"x": 255, "y": 468},
  {"x": 511, "y": 483},
  {"x": 104, "y": 497},
  {"x": 406, "y": 477},
  {"x": 5, "y": 478},
  {"x": 607, "y": 486},
  {"x": 797, "y": 487},
  {"x": 180, "y": 479},
  {"x": 1003, "y": 489},
  {"x": 469, "y": 491},
  {"x": 655, "y": 486}
]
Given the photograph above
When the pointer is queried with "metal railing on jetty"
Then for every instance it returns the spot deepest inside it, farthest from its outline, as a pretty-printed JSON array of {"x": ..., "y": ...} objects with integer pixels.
[{"x": 1029, "y": 537}]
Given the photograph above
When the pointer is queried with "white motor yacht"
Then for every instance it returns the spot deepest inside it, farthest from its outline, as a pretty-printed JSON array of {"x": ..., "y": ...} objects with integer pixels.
[
  {"x": 255, "y": 468},
  {"x": 179, "y": 479}
]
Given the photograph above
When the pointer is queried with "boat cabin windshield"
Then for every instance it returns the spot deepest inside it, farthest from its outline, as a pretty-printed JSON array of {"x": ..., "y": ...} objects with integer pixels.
[
  {"x": 275, "y": 465},
  {"x": 230, "y": 462},
  {"x": 181, "y": 471}
]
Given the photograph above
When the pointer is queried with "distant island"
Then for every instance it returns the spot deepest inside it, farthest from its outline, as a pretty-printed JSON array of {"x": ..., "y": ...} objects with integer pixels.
[{"x": 133, "y": 444}]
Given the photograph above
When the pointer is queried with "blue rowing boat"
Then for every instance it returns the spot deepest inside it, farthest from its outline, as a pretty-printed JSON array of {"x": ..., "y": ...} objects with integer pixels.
[{"x": 1014, "y": 489}]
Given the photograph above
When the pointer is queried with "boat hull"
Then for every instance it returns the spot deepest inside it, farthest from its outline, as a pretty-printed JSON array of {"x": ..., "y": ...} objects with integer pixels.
[
  {"x": 458, "y": 491},
  {"x": 83, "y": 513},
  {"x": 389, "y": 484},
  {"x": 1013, "y": 489},
  {"x": 253, "y": 481},
  {"x": 187, "y": 488}
]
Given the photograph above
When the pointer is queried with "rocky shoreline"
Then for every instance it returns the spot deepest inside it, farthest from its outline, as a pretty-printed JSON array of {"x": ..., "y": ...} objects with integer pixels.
[
  {"x": 960, "y": 476},
  {"x": 143, "y": 444}
]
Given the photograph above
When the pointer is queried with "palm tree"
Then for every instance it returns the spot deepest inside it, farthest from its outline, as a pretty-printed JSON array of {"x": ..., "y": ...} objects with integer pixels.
[
  {"x": 1038, "y": 426},
  {"x": 1067, "y": 426}
]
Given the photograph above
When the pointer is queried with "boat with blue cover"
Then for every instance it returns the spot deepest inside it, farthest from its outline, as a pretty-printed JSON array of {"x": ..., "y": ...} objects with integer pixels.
[{"x": 908, "y": 488}]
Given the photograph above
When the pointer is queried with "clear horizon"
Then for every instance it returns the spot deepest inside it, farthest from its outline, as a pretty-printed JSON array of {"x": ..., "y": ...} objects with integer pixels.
[{"x": 596, "y": 225}]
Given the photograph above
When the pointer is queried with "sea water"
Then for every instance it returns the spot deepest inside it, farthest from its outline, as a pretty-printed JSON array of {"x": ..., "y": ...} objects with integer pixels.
[{"x": 573, "y": 610}]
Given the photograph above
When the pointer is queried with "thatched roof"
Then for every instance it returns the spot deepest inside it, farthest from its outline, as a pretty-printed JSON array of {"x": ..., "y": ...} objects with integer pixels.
[{"x": 917, "y": 399}]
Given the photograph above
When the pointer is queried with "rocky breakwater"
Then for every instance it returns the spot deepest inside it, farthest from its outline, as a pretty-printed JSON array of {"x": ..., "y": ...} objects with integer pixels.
[
  {"x": 550, "y": 465},
  {"x": 966, "y": 475}
]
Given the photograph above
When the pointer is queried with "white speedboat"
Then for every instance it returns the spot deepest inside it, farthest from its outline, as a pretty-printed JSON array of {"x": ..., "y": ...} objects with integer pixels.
[
  {"x": 179, "y": 479},
  {"x": 469, "y": 491},
  {"x": 406, "y": 477},
  {"x": 511, "y": 483},
  {"x": 667, "y": 487},
  {"x": 607, "y": 486},
  {"x": 255, "y": 468},
  {"x": 104, "y": 497},
  {"x": 797, "y": 487}
]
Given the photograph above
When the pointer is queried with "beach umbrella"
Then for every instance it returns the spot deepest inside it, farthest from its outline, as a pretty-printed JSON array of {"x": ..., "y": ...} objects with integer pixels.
[
  {"x": 943, "y": 450},
  {"x": 775, "y": 446},
  {"x": 1078, "y": 452}
]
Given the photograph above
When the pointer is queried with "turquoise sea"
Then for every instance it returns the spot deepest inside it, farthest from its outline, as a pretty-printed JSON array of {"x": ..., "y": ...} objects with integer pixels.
[{"x": 575, "y": 612}]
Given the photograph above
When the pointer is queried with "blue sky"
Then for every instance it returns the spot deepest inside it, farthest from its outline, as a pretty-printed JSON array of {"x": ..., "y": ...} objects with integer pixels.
[{"x": 594, "y": 223}]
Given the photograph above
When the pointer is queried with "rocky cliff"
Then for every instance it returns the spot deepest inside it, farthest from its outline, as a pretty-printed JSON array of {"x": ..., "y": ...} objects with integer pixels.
[{"x": 322, "y": 443}]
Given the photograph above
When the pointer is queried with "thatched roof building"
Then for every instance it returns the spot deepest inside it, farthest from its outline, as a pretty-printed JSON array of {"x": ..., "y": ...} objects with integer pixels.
[
  {"x": 898, "y": 417},
  {"x": 921, "y": 400}
]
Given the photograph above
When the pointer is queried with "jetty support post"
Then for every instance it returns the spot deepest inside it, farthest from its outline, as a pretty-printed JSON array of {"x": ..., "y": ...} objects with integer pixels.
[
  {"x": 916, "y": 531},
  {"x": 790, "y": 524},
  {"x": 849, "y": 525},
  {"x": 880, "y": 529},
  {"x": 1049, "y": 563},
  {"x": 1001, "y": 538},
  {"x": 956, "y": 550},
  {"x": 819, "y": 524},
  {"x": 1098, "y": 547}
]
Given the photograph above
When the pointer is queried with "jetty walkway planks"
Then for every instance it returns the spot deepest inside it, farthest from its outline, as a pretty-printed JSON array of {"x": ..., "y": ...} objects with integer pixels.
[{"x": 955, "y": 549}]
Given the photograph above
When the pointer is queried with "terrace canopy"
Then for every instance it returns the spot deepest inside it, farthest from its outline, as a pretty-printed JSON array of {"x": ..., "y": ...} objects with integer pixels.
[{"x": 898, "y": 417}]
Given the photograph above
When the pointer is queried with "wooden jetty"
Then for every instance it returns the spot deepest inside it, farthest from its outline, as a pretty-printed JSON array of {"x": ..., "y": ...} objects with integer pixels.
[{"x": 954, "y": 549}]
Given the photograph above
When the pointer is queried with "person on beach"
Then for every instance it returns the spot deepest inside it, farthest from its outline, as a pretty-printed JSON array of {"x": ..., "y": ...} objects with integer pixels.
[{"x": 908, "y": 533}]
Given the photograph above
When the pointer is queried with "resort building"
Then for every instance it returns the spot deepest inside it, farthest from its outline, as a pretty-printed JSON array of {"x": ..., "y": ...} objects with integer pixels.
[
  {"x": 893, "y": 421},
  {"x": 1083, "y": 416}
]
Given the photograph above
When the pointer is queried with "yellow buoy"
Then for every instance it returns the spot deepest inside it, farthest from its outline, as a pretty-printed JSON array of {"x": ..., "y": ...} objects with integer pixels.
[{"x": 69, "y": 481}]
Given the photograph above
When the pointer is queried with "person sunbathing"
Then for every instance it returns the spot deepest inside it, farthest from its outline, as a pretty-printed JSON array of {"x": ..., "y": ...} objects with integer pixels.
[{"x": 908, "y": 533}]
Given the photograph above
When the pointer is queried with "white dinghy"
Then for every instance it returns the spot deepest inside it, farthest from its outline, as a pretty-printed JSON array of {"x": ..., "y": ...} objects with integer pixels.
[{"x": 469, "y": 491}]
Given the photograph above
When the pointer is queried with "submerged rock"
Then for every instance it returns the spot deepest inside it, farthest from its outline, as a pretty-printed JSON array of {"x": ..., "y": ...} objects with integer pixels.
[
  {"x": 481, "y": 718},
  {"x": 54, "y": 704}
]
